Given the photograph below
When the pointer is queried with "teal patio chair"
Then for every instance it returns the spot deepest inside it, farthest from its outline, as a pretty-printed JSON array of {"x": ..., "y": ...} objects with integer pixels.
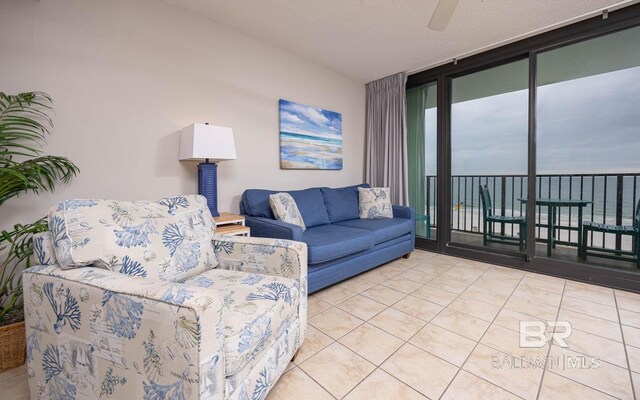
[
  {"x": 489, "y": 219},
  {"x": 628, "y": 230}
]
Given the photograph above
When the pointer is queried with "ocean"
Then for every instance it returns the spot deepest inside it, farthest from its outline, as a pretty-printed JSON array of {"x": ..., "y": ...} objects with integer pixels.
[
  {"x": 298, "y": 151},
  {"x": 601, "y": 190}
]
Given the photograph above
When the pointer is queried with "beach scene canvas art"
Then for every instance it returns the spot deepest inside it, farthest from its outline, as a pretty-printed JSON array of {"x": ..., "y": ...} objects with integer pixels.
[{"x": 310, "y": 137}]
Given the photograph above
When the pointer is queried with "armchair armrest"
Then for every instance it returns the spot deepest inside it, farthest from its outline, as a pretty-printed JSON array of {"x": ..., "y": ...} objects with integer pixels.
[
  {"x": 271, "y": 228},
  {"x": 92, "y": 331},
  {"x": 279, "y": 257},
  {"x": 284, "y": 258}
]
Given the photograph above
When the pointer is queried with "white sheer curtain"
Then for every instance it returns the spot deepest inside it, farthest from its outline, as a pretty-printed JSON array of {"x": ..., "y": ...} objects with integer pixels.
[{"x": 386, "y": 148}]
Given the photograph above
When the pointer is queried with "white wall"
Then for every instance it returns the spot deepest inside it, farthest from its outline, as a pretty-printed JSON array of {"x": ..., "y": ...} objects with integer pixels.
[{"x": 128, "y": 75}]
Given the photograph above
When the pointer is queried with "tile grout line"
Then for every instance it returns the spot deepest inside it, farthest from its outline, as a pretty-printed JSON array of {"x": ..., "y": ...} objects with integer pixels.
[
  {"x": 478, "y": 342},
  {"x": 387, "y": 307},
  {"x": 310, "y": 377},
  {"x": 459, "y": 295},
  {"x": 606, "y": 362},
  {"x": 376, "y": 367},
  {"x": 360, "y": 293},
  {"x": 337, "y": 340},
  {"x": 624, "y": 345},
  {"x": 544, "y": 370},
  {"x": 405, "y": 342},
  {"x": 427, "y": 322}
]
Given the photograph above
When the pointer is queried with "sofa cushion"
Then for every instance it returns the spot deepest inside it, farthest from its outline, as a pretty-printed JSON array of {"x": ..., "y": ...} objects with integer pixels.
[
  {"x": 383, "y": 229},
  {"x": 328, "y": 242},
  {"x": 342, "y": 203},
  {"x": 167, "y": 239},
  {"x": 310, "y": 203},
  {"x": 257, "y": 309}
]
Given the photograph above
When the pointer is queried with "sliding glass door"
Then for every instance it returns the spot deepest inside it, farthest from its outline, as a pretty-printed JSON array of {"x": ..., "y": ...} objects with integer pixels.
[
  {"x": 588, "y": 153},
  {"x": 422, "y": 146},
  {"x": 489, "y": 155},
  {"x": 538, "y": 152}
]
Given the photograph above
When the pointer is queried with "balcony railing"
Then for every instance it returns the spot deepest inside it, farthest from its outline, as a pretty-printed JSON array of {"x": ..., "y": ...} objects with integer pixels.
[{"x": 613, "y": 199}]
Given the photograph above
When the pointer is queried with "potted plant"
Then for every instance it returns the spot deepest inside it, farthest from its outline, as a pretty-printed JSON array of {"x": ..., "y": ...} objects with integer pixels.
[{"x": 24, "y": 124}]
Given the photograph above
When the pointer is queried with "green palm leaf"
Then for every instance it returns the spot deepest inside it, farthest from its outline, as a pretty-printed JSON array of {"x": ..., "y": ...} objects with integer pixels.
[{"x": 25, "y": 123}]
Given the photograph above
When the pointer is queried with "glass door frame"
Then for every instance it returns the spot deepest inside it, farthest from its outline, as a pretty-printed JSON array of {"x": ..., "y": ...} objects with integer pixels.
[{"x": 527, "y": 48}]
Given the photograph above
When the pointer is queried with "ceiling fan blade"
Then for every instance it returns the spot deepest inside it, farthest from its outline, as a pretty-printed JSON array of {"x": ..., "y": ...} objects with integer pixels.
[{"x": 442, "y": 14}]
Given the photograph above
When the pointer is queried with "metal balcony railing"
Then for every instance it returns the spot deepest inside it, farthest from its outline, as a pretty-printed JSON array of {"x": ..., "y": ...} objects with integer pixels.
[{"x": 613, "y": 199}]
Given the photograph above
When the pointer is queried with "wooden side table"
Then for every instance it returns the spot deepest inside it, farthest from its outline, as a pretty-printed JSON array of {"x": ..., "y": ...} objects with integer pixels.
[{"x": 231, "y": 225}]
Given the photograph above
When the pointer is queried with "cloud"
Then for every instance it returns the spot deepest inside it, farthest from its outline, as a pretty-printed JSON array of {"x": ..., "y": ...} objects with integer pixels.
[
  {"x": 308, "y": 120},
  {"x": 311, "y": 114},
  {"x": 586, "y": 125},
  {"x": 291, "y": 118}
]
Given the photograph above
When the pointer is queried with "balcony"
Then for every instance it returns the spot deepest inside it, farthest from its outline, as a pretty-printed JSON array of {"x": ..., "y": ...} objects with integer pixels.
[{"x": 612, "y": 198}]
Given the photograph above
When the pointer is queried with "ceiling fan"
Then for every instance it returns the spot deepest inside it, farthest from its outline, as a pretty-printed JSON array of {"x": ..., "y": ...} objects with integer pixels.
[{"x": 442, "y": 15}]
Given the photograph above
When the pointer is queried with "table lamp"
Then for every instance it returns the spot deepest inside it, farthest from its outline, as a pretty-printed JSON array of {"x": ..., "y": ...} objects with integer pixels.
[{"x": 212, "y": 144}]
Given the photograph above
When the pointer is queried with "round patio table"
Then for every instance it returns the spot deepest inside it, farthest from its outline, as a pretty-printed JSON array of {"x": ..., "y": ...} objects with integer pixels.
[{"x": 552, "y": 208}]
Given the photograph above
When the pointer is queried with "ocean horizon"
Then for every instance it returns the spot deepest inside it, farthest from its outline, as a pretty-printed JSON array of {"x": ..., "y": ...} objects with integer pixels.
[
  {"x": 299, "y": 151},
  {"x": 588, "y": 188}
]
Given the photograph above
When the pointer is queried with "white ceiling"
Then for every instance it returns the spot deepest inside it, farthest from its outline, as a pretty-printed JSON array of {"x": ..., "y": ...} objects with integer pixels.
[{"x": 370, "y": 39}]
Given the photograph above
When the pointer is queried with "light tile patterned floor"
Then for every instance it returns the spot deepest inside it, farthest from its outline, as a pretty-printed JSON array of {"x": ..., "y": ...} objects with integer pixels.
[{"x": 440, "y": 327}]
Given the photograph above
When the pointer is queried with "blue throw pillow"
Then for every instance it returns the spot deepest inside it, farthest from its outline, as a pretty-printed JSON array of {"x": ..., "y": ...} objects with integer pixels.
[{"x": 342, "y": 203}]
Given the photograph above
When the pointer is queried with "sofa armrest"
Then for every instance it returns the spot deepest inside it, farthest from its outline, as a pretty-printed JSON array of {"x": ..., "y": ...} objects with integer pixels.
[
  {"x": 92, "y": 332},
  {"x": 404, "y": 212},
  {"x": 408, "y": 213},
  {"x": 271, "y": 228}
]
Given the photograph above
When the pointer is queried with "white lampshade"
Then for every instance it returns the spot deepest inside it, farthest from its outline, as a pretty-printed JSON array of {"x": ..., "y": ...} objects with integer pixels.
[{"x": 201, "y": 141}]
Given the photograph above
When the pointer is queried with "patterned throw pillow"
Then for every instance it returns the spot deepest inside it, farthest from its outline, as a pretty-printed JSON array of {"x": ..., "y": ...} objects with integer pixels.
[
  {"x": 375, "y": 203},
  {"x": 168, "y": 239},
  {"x": 285, "y": 209}
]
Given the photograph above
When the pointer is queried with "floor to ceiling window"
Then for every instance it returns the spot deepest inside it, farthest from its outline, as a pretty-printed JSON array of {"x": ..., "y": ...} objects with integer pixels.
[
  {"x": 538, "y": 152},
  {"x": 422, "y": 146},
  {"x": 489, "y": 156},
  {"x": 588, "y": 152}
]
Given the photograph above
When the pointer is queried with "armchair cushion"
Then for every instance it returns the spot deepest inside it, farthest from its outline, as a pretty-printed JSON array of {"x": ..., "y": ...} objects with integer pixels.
[
  {"x": 257, "y": 309},
  {"x": 167, "y": 239}
]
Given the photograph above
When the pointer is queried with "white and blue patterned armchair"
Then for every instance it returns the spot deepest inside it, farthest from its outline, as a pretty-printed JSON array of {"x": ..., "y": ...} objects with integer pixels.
[{"x": 141, "y": 300}]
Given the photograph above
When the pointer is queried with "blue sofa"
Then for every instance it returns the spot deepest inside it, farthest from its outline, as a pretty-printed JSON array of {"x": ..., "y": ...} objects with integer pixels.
[{"x": 340, "y": 244}]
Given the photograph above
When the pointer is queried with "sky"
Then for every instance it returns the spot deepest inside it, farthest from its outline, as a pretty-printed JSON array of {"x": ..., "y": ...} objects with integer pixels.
[
  {"x": 585, "y": 125},
  {"x": 308, "y": 120}
]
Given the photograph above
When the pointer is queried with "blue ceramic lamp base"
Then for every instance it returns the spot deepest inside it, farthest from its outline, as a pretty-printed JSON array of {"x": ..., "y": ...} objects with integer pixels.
[{"x": 208, "y": 185}]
